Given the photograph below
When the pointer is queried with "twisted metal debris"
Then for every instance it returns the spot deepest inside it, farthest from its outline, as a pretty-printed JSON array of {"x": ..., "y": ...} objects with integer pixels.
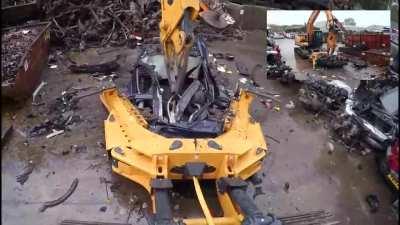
[{"x": 94, "y": 23}]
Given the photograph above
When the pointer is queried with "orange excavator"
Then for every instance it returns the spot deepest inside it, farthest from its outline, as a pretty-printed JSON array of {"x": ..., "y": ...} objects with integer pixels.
[{"x": 310, "y": 43}]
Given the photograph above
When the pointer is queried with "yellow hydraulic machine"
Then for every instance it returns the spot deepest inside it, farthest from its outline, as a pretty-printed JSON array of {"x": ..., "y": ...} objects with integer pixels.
[
  {"x": 310, "y": 43},
  {"x": 156, "y": 161}
]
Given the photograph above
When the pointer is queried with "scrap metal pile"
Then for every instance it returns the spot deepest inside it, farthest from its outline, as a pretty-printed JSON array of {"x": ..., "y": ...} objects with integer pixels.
[
  {"x": 364, "y": 119},
  {"x": 281, "y": 72},
  {"x": 331, "y": 61},
  {"x": 98, "y": 23},
  {"x": 14, "y": 45},
  {"x": 94, "y": 23},
  {"x": 61, "y": 115},
  {"x": 277, "y": 69},
  {"x": 321, "y": 95},
  {"x": 370, "y": 117},
  {"x": 212, "y": 34},
  {"x": 198, "y": 111}
]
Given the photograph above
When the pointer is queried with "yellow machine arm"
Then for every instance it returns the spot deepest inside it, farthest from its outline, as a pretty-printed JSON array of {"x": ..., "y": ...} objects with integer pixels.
[
  {"x": 331, "y": 24},
  {"x": 310, "y": 24},
  {"x": 331, "y": 38},
  {"x": 176, "y": 35},
  {"x": 154, "y": 160}
]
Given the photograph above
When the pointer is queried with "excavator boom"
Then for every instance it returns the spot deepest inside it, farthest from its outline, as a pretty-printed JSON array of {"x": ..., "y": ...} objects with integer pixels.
[{"x": 310, "y": 24}]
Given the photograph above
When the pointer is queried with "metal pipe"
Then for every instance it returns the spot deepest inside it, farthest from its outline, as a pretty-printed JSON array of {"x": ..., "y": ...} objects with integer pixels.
[{"x": 305, "y": 214}]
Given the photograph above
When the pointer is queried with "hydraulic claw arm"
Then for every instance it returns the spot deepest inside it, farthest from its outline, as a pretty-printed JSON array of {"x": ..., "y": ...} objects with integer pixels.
[
  {"x": 332, "y": 32},
  {"x": 177, "y": 38}
]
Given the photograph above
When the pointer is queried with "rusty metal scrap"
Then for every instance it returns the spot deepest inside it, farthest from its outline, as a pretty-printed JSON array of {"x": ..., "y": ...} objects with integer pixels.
[
  {"x": 93, "y": 23},
  {"x": 212, "y": 34},
  {"x": 81, "y": 24},
  {"x": 14, "y": 45}
]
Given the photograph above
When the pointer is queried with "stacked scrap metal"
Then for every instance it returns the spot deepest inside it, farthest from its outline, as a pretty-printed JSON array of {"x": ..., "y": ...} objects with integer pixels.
[
  {"x": 90, "y": 23},
  {"x": 14, "y": 45}
]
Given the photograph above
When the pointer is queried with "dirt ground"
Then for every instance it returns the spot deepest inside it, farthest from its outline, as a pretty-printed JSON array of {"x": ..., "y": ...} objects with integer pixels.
[{"x": 337, "y": 182}]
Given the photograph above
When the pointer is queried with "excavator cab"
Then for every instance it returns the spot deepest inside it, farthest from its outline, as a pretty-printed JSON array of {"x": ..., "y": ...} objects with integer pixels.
[
  {"x": 316, "y": 42},
  {"x": 308, "y": 44},
  {"x": 305, "y": 40}
]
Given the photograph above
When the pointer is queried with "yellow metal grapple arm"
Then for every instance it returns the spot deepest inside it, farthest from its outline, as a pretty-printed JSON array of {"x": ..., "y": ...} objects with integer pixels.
[
  {"x": 176, "y": 35},
  {"x": 331, "y": 38}
]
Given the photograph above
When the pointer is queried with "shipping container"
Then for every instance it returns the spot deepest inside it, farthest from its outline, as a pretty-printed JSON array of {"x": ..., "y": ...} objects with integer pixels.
[
  {"x": 370, "y": 40},
  {"x": 13, "y": 15}
]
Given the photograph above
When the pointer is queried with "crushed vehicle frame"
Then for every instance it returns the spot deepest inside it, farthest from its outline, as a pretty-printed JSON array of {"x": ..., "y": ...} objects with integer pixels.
[
  {"x": 167, "y": 146},
  {"x": 154, "y": 161},
  {"x": 366, "y": 119}
]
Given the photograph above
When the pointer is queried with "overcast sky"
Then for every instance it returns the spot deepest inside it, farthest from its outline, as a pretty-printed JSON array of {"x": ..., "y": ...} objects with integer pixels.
[{"x": 363, "y": 18}]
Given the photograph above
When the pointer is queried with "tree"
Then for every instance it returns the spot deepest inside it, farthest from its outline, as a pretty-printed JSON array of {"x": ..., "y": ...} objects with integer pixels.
[{"x": 349, "y": 22}]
